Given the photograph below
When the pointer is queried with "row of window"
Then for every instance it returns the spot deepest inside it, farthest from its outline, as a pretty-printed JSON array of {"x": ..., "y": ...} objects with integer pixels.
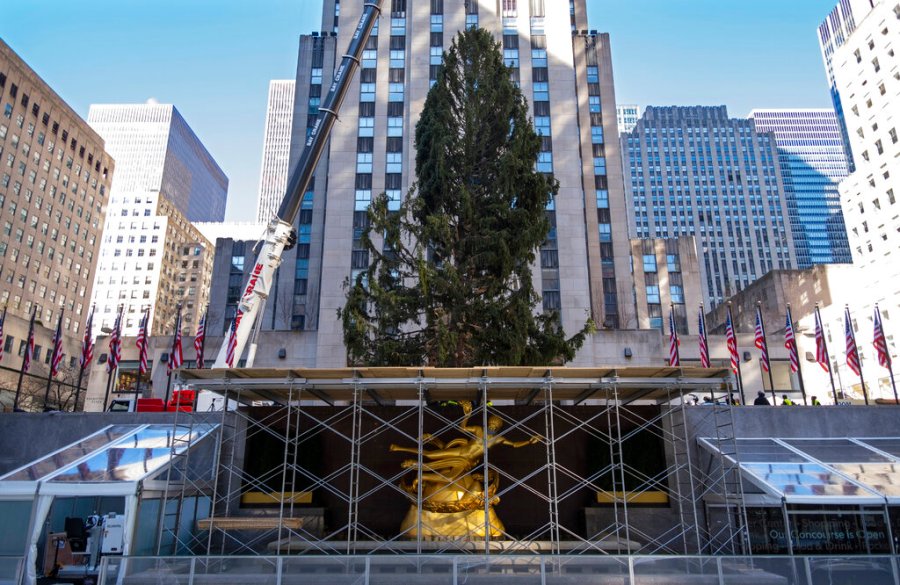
[{"x": 24, "y": 101}]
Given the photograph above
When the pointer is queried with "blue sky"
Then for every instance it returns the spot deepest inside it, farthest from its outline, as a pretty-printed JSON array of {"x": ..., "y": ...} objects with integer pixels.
[{"x": 213, "y": 59}]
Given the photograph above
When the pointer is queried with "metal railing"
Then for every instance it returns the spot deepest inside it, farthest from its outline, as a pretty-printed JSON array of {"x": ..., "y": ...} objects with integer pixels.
[{"x": 466, "y": 569}]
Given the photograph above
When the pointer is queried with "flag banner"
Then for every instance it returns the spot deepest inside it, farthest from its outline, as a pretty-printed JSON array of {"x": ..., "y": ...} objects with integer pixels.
[
  {"x": 56, "y": 360},
  {"x": 232, "y": 342},
  {"x": 821, "y": 348},
  {"x": 852, "y": 352},
  {"x": 200, "y": 342},
  {"x": 704, "y": 343},
  {"x": 143, "y": 343},
  {"x": 731, "y": 342},
  {"x": 790, "y": 343},
  {"x": 87, "y": 341},
  {"x": 881, "y": 346},
  {"x": 115, "y": 344},
  {"x": 176, "y": 358},
  {"x": 761, "y": 343},
  {"x": 674, "y": 357},
  {"x": 29, "y": 347}
]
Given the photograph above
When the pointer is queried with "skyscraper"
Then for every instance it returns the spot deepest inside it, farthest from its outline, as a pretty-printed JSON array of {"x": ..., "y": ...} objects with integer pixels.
[
  {"x": 627, "y": 116},
  {"x": 833, "y": 33},
  {"x": 54, "y": 187},
  {"x": 867, "y": 75},
  {"x": 696, "y": 172},
  {"x": 811, "y": 156},
  {"x": 274, "y": 172},
  {"x": 151, "y": 254},
  {"x": 568, "y": 82},
  {"x": 158, "y": 152}
]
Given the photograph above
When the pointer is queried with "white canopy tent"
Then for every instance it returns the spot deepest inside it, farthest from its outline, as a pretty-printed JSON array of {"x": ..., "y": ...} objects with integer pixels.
[{"x": 117, "y": 460}]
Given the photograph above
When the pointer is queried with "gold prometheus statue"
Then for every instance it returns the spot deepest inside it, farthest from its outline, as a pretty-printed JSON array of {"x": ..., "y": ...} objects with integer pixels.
[{"x": 453, "y": 496}]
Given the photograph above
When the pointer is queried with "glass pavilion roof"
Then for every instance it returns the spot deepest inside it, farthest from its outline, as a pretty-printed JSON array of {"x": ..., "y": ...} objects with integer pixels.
[
  {"x": 116, "y": 453},
  {"x": 820, "y": 471}
]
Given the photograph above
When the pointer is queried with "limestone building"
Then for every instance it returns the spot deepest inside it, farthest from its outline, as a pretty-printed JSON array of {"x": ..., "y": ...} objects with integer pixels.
[
  {"x": 55, "y": 175},
  {"x": 694, "y": 171},
  {"x": 565, "y": 72}
]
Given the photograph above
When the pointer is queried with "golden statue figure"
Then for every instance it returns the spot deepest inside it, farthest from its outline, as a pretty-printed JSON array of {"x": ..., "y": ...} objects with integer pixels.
[{"x": 453, "y": 499}]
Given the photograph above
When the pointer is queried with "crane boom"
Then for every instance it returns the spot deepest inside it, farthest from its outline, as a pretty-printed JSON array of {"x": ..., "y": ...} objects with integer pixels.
[{"x": 280, "y": 234}]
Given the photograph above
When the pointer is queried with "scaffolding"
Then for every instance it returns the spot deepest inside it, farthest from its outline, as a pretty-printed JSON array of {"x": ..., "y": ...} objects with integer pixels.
[{"x": 314, "y": 445}]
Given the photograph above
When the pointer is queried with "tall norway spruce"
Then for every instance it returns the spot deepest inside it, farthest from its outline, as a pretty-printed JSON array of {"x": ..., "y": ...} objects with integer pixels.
[{"x": 449, "y": 283}]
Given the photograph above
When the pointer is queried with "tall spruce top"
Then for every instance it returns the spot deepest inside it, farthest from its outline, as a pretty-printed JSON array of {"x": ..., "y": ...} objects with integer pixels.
[{"x": 449, "y": 282}]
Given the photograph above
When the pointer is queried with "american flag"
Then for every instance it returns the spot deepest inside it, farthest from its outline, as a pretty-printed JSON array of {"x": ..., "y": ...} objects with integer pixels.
[
  {"x": 821, "y": 347},
  {"x": 2, "y": 322},
  {"x": 57, "y": 348},
  {"x": 704, "y": 344},
  {"x": 29, "y": 347},
  {"x": 176, "y": 358},
  {"x": 881, "y": 346},
  {"x": 790, "y": 343},
  {"x": 87, "y": 342},
  {"x": 115, "y": 344},
  {"x": 674, "y": 357},
  {"x": 761, "y": 341},
  {"x": 852, "y": 352},
  {"x": 143, "y": 343},
  {"x": 232, "y": 341},
  {"x": 731, "y": 342},
  {"x": 200, "y": 342}
]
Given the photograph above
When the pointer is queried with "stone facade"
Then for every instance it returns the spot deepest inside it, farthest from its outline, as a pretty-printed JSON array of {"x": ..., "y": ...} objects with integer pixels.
[{"x": 55, "y": 177}]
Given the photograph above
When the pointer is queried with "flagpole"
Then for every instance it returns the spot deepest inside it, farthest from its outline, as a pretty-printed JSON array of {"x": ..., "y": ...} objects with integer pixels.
[
  {"x": 797, "y": 351},
  {"x": 893, "y": 382},
  {"x": 205, "y": 327},
  {"x": 137, "y": 385},
  {"x": 740, "y": 376},
  {"x": 83, "y": 363},
  {"x": 53, "y": 358},
  {"x": 880, "y": 339},
  {"x": 115, "y": 370},
  {"x": 827, "y": 356},
  {"x": 78, "y": 388},
  {"x": 22, "y": 367},
  {"x": 849, "y": 323},
  {"x": 765, "y": 340},
  {"x": 174, "y": 338},
  {"x": 137, "y": 389}
]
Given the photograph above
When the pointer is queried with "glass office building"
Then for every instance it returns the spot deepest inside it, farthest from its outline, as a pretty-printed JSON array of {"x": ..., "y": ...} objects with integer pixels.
[{"x": 811, "y": 156}]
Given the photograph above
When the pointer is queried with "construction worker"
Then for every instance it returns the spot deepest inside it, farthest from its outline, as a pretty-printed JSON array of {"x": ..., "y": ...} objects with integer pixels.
[
  {"x": 761, "y": 399},
  {"x": 785, "y": 401},
  {"x": 815, "y": 401}
]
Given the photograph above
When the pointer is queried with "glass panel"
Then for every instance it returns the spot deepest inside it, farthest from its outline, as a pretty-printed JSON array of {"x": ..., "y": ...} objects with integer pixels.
[
  {"x": 650, "y": 570},
  {"x": 851, "y": 571},
  {"x": 806, "y": 479},
  {"x": 766, "y": 451},
  {"x": 160, "y": 437},
  {"x": 154, "y": 446},
  {"x": 177, "y": 571},
  {"x": 115, "y": 464},
  {"x": 890, "y": 446},
  {"x": 51, "y": 463},
  {"x": 16, "y": 516},
  {"x": 836, "y": 451},
  {"x": 9, "y": 569},
  {"x": 760, "y": 570},
  {"x": 884, "y": 478}
]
